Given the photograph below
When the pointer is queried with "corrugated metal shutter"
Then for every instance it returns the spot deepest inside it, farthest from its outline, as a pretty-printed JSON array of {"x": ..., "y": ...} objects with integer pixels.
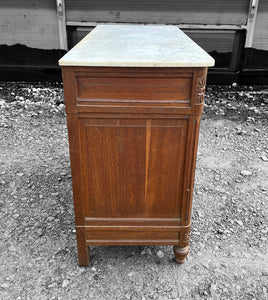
[
  {"x": 212, "y": 40},
  {"x": 29, "y": 22},
  {"x": 159, "y": 11},
  {"x": 260, "y": 39}
]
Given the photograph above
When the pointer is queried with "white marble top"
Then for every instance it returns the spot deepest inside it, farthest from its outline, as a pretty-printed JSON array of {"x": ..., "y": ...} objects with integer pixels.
[{"x": 137, "y": 46}]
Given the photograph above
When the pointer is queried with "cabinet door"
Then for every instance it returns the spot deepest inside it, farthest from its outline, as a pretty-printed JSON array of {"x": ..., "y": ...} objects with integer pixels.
[{"x": 132, "y": 167}]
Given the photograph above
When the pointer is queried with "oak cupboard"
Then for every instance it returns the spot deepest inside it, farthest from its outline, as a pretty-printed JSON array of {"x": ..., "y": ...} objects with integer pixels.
[{"x": 134, "y": 96}]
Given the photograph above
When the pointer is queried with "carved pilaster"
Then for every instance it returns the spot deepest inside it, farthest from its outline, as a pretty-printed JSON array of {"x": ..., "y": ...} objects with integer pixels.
[
  {"x": 200, "y": 89},
  {"x": 185, "y": 237}
]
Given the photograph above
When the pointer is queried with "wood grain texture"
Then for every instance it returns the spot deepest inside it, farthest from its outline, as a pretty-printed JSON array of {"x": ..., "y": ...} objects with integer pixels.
[
  {"x": 133, "y": 160},
  {"x": 132, "y": 235}
]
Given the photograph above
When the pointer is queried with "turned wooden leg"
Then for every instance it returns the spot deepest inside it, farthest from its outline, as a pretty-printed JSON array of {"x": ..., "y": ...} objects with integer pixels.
[
  {"x": 182, "y": 249},
  {"x": 180, "y": 253},
  {"x": 82, "y": 248}
]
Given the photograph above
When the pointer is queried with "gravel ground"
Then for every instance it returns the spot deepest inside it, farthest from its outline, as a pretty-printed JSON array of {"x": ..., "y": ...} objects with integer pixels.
[{"x": 228, "y": 251}]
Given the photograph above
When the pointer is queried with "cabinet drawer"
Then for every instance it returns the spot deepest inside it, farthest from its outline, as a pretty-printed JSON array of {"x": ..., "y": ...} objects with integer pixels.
[{"x": 143, "y": 88}]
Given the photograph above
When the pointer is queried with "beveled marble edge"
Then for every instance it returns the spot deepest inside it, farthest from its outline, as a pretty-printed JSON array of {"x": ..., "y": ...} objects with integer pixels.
[
  {"x": 135, "y": 64},
  {"x": 206, "y": 60}
]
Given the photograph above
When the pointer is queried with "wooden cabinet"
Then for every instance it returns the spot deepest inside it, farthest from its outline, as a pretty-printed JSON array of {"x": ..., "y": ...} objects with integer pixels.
[{"x": 133, "y": 135}]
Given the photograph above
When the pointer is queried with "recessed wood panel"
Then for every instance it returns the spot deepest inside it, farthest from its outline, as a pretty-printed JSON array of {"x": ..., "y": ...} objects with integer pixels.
[
  {"x": 132, "y": 167},
  {"x": 114, "y": 167},
  {"x": 166, "y": 148},
  {"x": 111, "y": 89}
]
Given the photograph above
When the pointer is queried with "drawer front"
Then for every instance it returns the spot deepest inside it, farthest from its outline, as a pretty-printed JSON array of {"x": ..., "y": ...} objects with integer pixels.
[{"x": 138, "y": 88}]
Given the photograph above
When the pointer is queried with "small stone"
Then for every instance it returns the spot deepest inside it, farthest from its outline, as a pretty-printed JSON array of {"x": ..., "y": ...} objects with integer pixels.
[
  {"x": 245, "y": 173},
  {"x": 15, "y": 216},
  {"x": 220, "y": 112},
  {"x": 65, "y": 283},
  {"x": 149, "y": 251},
  {"x": 234, "y": 84},
  {"x": 20, "y": 174},
  {"x": 5, "y": 285},
  {"x": 264, "y": 158},
  {"x": 55, "y": 194},
  {"x": 220, "y": 231},
  {"x": 239, "y": 222},
  {"x": 39, "y": 231},
  {"x": 217, "y": 177},
  {"x": 51, "y": 285},
  {"x": 93, "y": 269},
  {"x": 61, "y": 107},
  {"x": 160, "y": 254},
  {"x": 12, "y": 248}
]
